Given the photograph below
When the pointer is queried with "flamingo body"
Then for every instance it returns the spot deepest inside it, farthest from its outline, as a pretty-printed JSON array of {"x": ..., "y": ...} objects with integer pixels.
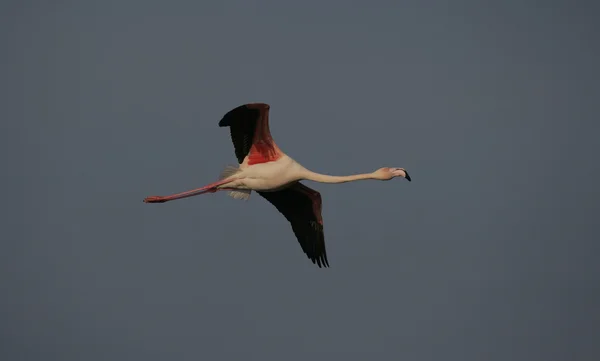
[{"x": 268, "y": 176}]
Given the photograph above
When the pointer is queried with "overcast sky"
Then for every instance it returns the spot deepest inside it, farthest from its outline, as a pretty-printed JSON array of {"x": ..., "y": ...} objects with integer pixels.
[{"x": 490, "y": 253}]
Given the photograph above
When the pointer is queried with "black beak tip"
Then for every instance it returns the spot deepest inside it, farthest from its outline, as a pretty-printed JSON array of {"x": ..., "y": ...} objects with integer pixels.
[{"x": 407, "y": 176}]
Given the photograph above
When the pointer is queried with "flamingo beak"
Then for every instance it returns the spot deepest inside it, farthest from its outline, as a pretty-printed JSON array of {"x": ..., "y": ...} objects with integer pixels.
[{"x": 399, "y": 172}]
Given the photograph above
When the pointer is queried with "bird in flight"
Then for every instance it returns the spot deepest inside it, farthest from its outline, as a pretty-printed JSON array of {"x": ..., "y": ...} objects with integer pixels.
[{"x": 265, "y": 169}]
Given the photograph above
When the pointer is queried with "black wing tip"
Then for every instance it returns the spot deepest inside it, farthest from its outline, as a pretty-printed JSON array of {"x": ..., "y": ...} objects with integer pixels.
[
  {"x": 245, "y": 109},
  {"x": 230, "y": 116},
  {"x": 320, "y": 261}
]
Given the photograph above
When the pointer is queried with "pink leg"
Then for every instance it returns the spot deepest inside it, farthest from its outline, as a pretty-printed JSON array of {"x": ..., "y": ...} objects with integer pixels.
[{"x": 211, "y": 188}]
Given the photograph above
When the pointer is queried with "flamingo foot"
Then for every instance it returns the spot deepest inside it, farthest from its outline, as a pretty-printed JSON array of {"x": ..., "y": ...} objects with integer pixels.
[{"x": 154, "y": 199}]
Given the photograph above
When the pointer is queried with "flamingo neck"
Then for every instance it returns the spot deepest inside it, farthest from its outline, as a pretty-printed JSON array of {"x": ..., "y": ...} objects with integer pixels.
[{"x": 324, "y": 178}]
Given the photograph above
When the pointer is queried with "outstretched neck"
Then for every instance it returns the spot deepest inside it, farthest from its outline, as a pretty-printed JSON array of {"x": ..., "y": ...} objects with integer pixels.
[{"x": 324, "y": 178}]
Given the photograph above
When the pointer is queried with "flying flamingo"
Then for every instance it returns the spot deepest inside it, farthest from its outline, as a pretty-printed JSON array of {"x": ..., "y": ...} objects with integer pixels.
[{"x": 264, "y": 168}]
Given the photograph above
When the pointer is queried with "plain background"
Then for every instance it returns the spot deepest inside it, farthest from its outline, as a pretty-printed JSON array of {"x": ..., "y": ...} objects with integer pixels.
[{"x": 489, "y": 254}]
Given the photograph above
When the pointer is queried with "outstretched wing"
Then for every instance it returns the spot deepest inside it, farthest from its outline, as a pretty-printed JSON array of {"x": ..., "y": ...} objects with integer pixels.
[
  {"x": 301, "y": 206},
  {"x": 250, "y": 134}
]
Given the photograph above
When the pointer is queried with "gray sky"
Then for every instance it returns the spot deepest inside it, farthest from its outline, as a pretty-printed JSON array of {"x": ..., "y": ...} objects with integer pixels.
[{"x": 489, "y": 254}]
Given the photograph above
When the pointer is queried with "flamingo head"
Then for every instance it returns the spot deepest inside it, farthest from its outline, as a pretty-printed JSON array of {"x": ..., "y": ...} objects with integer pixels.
[{"x": 387, "y": 173}]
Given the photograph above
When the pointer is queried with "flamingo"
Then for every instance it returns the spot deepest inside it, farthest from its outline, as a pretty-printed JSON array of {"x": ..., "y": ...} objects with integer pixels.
[{"x": 265, "y": 169}]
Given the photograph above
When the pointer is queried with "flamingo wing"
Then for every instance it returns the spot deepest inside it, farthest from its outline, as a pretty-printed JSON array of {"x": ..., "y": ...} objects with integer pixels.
[
  {"x": 301, "y": 206},
  {"x": 250, "y": 134}
]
